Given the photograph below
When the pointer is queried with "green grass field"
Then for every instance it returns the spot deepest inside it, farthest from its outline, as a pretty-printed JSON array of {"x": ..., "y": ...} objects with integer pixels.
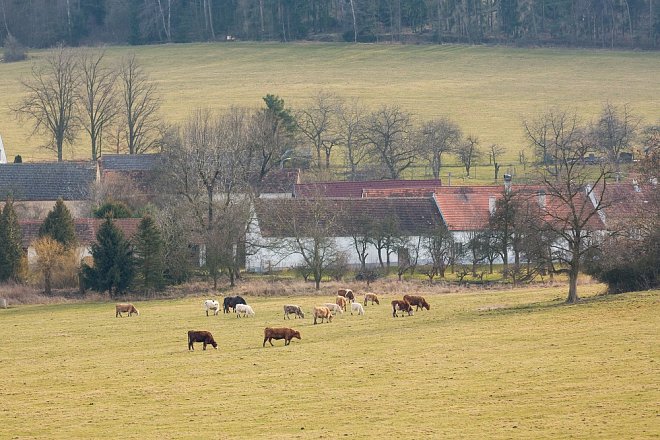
[
  {"x": 487, "y": 90},
  {"x": 507, "y": 364}
]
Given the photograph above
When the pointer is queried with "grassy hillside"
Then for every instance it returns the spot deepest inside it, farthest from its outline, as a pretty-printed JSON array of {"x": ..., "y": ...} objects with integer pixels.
[
  {"x": 488, "y": 90},
  {"x": 513, "y": 364}
]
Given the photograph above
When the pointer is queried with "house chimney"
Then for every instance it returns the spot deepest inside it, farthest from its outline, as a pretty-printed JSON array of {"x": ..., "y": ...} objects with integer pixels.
[
  {"x": 507, "y": 183},
  {"x": 541, "y": 198},
  {"x": 492, "y": 205}
]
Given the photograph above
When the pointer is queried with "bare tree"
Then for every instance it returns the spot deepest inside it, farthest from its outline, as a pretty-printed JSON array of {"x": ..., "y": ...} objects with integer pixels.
[
  {"x": 209, "y": 169},
  {"x": 351, "y": 136},
  {"x": 573, "y": 197},
  {"x": 437, "y": 137},
  {"x": 388, "y": 134},
  {"x": 98, "y": 96},
  {"x": 495, "y": 152},
  {"x": 309, "y": 225},
  {"x": 551, "y": 132},
  {"x": 439, "y": 245},
  {"x": 139, "y": 107},
  {"x": 317, "y": 123},
  {"x": 615, "y": 131},
  {"x": 52, "y": 98},
  {"x": 468, "y": 153}
]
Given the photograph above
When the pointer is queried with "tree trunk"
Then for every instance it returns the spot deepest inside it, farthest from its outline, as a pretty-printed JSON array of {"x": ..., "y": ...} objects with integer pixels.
[
  {"x": 572, "y": 287},
  {"x": 47, "y": 282}
]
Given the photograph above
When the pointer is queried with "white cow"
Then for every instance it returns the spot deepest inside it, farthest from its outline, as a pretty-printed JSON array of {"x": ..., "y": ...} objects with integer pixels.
[
  {"x": 334, "y": 308},
  {"x": 244, "y": 309},
  {"x": 357, "y": 307},
  {"x": 212, "y": 304}
]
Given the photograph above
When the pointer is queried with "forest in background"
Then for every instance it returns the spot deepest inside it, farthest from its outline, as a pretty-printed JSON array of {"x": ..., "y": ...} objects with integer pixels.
[{"x": 588, "y": 23}]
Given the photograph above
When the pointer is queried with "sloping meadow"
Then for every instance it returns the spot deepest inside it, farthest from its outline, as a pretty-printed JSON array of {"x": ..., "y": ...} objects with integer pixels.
[{"x": 508, "y": 364}]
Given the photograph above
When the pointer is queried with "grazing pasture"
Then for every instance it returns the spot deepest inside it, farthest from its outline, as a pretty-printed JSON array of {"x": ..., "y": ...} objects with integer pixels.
[
  {"x": 487, "y": 90},
  {"x": 508, "y": 364}
]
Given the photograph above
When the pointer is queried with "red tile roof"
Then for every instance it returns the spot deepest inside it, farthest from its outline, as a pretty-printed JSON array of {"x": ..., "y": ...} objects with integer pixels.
[
  {"x": 86, "y": 229},
  {"x": 623, "y": 201},
  {"x": 358, "y": 189},
  {"x": 466, "y": 208}
]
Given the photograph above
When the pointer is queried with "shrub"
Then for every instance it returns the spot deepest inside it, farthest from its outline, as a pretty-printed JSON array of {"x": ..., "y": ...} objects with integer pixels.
[{"x": 113, "y": 209}]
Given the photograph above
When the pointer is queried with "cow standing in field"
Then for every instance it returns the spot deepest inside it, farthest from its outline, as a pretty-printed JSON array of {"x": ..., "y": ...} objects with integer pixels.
[
  {"x": 125, "y": 308},
  {"x": 230, "y": 303},
  {"x": 341, "y": 302},
  {"x": 415, "y": 300},
  {"x": 334, "y": 308},
  {"x": 200, "y": 336},
  {"x": 346, "y": 293},
  {"x": 291, "y": 309},
  {"x": 244, "y": 309},
  {"x": 323, "y": 313},
  {"x": 212, "y": 305},
  {"x": 371, "y": 297},
  {"x": 357, "y": 307},
  {"x": 401, "y": 306},
  {"x": 280, "y": 333}
]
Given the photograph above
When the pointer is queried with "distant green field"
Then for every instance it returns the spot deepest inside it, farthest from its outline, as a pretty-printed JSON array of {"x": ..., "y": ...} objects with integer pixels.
[
  {"x": 487, "y": 90},
  {"x": 495, "y": 365}
]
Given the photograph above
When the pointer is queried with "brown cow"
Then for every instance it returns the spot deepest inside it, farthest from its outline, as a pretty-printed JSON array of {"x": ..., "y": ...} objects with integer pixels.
[
  {"x": 371, "y": 297},
  {"x": 200, "y": 336},
  {"x": 125, "y": 308},
  {"x": 403, "y": 306},
  {"x": 323, "y": 313},
  {"x": 346, "y": 293},
  {"x": 415, "y": 300},
  {"x": 341, "y": 302},
  {"x": 280, "y": 333}
]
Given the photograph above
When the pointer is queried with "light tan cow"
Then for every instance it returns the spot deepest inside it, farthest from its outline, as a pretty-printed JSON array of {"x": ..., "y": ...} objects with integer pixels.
[
  {"x": 125, "y": 308},
  {"x": 323, "y": 313}
]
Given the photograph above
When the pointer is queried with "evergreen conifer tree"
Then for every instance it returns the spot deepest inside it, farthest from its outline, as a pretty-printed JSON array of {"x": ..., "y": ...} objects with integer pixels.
[
  {"x": 10, "y": 243},
  {"x": 114, "y": 265},
  {"x": 149, "y": 256},
  {"x": 59, "y": 225}
]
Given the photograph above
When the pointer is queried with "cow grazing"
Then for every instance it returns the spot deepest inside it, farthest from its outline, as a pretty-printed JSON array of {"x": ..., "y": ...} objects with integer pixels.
[
  {"x": 230, "y": 303},
  {"x": 346, "y": 293},
  {"x": 403, "y": 306},
  {"x": 200, "y": 336},
  {"x": 334, "y": 308},
  {"x": 213, "y": 305},
  {"x": 125, "y": 308},
  {"x": 323, "y": 313},
  {"x": 341, "y": 302},
  {"x": 244, "y": 309},
  {"x": 371, "y": 297},
  {"x": 280, "y": 333},
  {"x": 415, "y": 300},
  {"x": 290, "y": 309},
  {"x": 357, "y": 307}
]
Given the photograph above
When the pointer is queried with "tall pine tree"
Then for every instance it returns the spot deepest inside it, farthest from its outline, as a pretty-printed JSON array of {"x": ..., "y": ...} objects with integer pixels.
[
  {"x": 149, "y": 257},
  {"x": 114, "y": 265},
  {"x": 59, "y": 225},
  {"x": 11, "y": 252}
]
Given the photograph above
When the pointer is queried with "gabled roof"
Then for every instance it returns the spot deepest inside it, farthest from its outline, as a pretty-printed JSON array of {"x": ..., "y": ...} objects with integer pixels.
[
  {"x": 280, "y": 181},
  {"x": 622, "y": 201},
  {"x": 46, "y": 180},
  {"x": 358, "y": 189},
  {"x": 413, "y": 215},
  {"x": 129, "y": 162},
  {"x": 86, "y": 229},
  {"x": 466, "y": 208}
]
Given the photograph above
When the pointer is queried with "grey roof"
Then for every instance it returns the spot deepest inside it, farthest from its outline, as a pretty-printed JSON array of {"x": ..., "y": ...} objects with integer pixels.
[
  {"x": 129, "y": 162},
  {"x": 47, "y": 180}
]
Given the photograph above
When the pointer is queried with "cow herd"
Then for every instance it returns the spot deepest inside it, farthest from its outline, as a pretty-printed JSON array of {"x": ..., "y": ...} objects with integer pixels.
[{"x": 325, "y": 313}]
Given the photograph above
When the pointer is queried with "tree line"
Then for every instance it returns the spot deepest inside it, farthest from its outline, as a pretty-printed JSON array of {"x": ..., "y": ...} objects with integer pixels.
[{"x": 613, "y": 23}]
